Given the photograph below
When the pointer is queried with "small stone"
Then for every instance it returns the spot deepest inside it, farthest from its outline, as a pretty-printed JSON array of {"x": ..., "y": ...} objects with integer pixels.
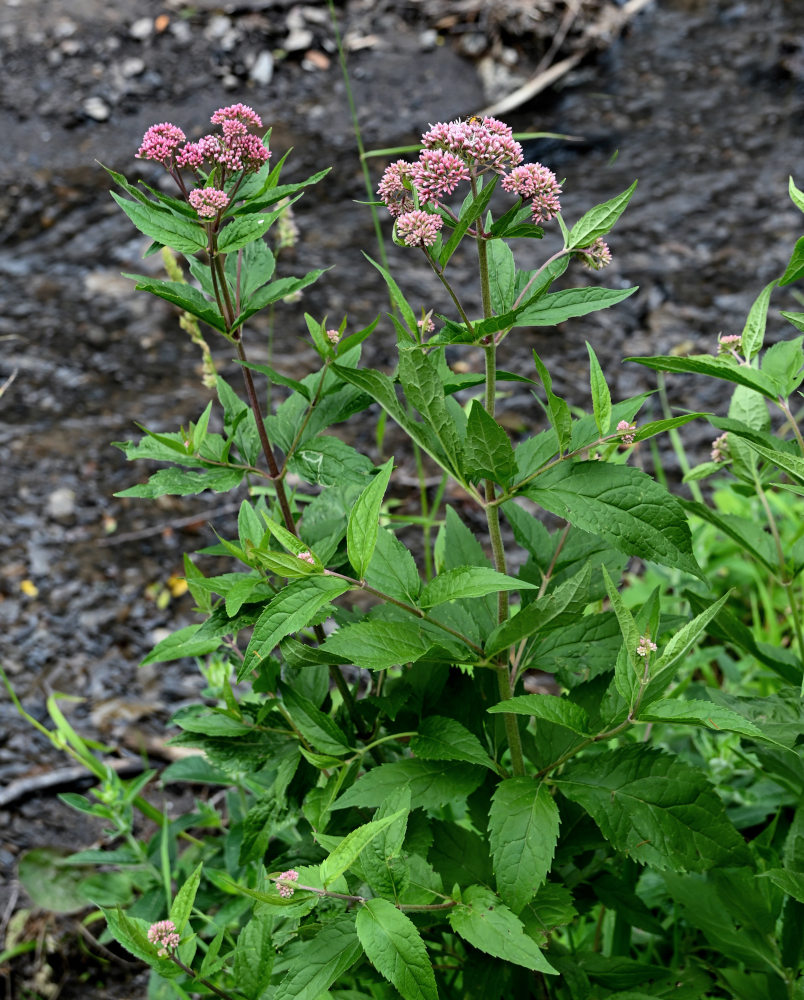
[
  {"x": 132, "y": 66},
  {"x": 61, "y": 504},
  {"x": 428, "y": 40},
  {"x": 96, "y": 108},
  {"x": 263, "y": 68},
  {"x": 217, "y": 27},
  {"x": 298, "y": 40},
  {"x": 315, "y": 60},
  {"x": 142, "y": 28}
]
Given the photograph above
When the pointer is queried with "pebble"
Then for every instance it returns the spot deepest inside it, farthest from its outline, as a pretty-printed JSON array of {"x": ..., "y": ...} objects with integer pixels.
[
  {"x": 132, "y": 66},
  {"x": 263, "y": 69},
  {"x": 298, "y": 40},
  {"x": 61, "y": 503},
  {"x": 96, "y": 108},
  {"x": 142, "y": 28}
]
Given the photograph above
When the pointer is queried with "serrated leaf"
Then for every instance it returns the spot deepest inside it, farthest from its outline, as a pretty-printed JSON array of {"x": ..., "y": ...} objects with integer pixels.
[
  {"x": 488, "y": 453},
  {"x": 559, "y": 711},
  {"x": 598, "y": 220},
  {"x": 601, "y": 397},
  {"x": 718, "y": 718},
  {"x": 290, "y": 610},
  {"x": 557, "y": 307},
  {"x": 320, "y": 731},
  {"x": 431, "y": 783},
  {"x": 363, "y": 524},
  {"x": 523, "y": 830},
  {"x": 754, "y": 329},
  {"x": 246, "y": 229},
  {"x": 180, "y": 644},
  {"x": 793, "y": 465},
  {"x": 352, "y": 846},
  {"x": 468, "y": 581},
  {"x": 182, "y": 905},
  {"x": 395, "y": 948},
  {"x": 441, "y": 738},
  {"x": 392, "y": 569},
  {"x": 132, "y": 934},
  {"x": 622, "y": 505},
  {"x": 185, "y": 483},
  {"x": 163, "y": 226},
  {"x": 424, "y": 390},
  {"x": 486, "y": 923},
  {"x": 721, "y": 368},
  {"x": 502, "y": 272},
  {"x": 795, "y": 268},
  {"x": 254, "y": 954},
  {"x": 655, "y": 808},
  {"x": 327, "y": 956}
]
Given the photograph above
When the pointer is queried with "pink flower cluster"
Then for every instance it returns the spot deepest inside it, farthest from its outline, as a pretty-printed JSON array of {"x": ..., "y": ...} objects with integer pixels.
[
  {"x": 720, "y": 449},
  {"x": 307, "y": 556},
  {"x": 646, "y": 647},
  {"x": 164, "y": 934},
  {"x": 597, "y": 255},
  {"x": 731, "y": 343},
  {"x": 208, "y": 201},
  {"x": 418, "y": 228},
  {"x": 291, "y": 875},
  {"x": 626, "y": 432},
  {"x": 457, "y": 151},
  {"x": 533, "y": 180},
  {"x": 236, "y": 149}
]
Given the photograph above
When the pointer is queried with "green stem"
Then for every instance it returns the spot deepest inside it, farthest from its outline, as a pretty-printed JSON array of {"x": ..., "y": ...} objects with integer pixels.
[
  {"x": 200, "y": 979},
  {"x": 784, "y": 406},
  {"x": 675, "y": 437}
]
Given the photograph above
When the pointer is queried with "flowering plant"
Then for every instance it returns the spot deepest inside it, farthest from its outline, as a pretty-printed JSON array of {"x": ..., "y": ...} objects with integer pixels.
[{"x": 404, "y": 814}]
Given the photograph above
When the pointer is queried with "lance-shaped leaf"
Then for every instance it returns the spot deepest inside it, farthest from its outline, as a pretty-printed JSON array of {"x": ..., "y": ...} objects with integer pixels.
[
  {"x": 502, "y": 275},
  {"x": 290, "y": 610},
  {"x": 327, "y": 956},
  {"x": 793, "y": 465},
  {"x": 273, "y": 292},
  {"x": 523, "y": 830},
  {"x": 352, "y": 846},
  {"x": 318, "y": 728},
  {"x": 557, "y": 408},
  {"x": 377, "y": 645},
  {"x": 395, "y": 949},
  {"x": 488, "y": 453},
  {"x": 254, "y": 954},
  {"x": 655, "y": 808},
  {"x": 432, "y": 783},
  {"x": 601, "y": 397},
  {"x": 246, "y": 229},
  {"x": 163, "y": 226},
  {"x": 363, "y": 524},
  {"x": 471, "y": 210},
  {"x": 182, "y": 295},
  {"x": 598, "y": 220},
  {"x": 795, "y": 268},
  {"x": 182, "y": 905},
  {"x": 398, "y": 299},
  {"x": 468, "y": 581},
  {"x": 718, "y": 718},
  {"x": 556, "y": 307},
  {"x": 622, "y": 505},
  {"x": 722, "y": 368},
  {"x": 753, "y": 334},
  {"x": 424, "y": 389},
  {"x": 560, "y": 711},
  {"x": 485, "y": 922}
]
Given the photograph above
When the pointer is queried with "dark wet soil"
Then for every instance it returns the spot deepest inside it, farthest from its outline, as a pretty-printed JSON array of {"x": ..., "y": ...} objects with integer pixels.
[{"x": 702, "y": 101}]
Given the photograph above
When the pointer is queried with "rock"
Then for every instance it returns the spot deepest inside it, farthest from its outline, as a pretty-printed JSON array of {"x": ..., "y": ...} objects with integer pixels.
[
  {"x": 142, "y": 28},
  {"x": 97, "y": 109},
  {"x": 61, "y": 504},
  {"x": 263, "y": 68},
  {"x": 132, "y": 67}
]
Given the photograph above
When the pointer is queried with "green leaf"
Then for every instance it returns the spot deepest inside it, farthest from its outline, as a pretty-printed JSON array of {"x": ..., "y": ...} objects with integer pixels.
[
  {"x": 180, "y": 644},
  {"x": 783, "y": 362},
  {"x": 622, "y": 505},
  {"x": 276, "y": 378},
  {"x": 472, "y": 209},
  {"x": 363, "y": 525},
  {"x": 556, "y": 307},
  {"x": 655, "y": 808},
  {"x": 132, "y": 934},
  {"x": 502, "y": 274},
  {"x": 275, "y": 291},
  {"x": 50, "y": 880},
  {"x": 695, "y": 712},
  {"x": 523, "y": 830},
  {"x": 432, "y": 783},
  {"x": 559, "y": 711},
  {"x": 790, "y": 882},
  {"x": 557, "y": 409},
  {"x": 163, "y": 226},
  {"x": 424, "y": 389},
  {"x": 488, "y": 453},
  {"x": 320, "y": 731},
  {"x": 486, "y": 923},
  {"x": 246, "y": 229},
  {"x": 377, "y": 644},
  {"x": 598, "y": 220},
  {"x": 441, "y": 738},
  {"x": 254, "y": 954},
  {"x": 183, "y": 483},
  {"x": 721, "y": 368},
  {"x": 290, "y": 610},
  {"x": 398, "y": 299},
  {"x": 754, "y": 330},
  {"x": 352, "y": 846},
  {"x": 601, "y": 397},
  {"x": 333, "y": 950},
  {"x": 393, "y": 570},
  {"x": 394, "y": 947},
  {"x": 795, "y": 269},
  {"x": 182, "y": 295},
  {"x": 183, "y": 902},
  {"x": 793, "y": 465},
  {"x": 468, "y": 581}
]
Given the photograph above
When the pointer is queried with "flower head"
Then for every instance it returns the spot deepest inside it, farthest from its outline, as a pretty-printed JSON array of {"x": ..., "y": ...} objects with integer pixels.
[
  {"x": 418, "y": 228},
  {"x": 392, "y": 190},
  {"x": 164, "y": 934},
  {"x": 646, "y": 647},
  {"x": 533, "y": 180},
  {"x": 626, "y": 432},
  {"x": 731, "y": 343},
  {"x": 237, "y": 112},
  {"x": 291, "y": 875},
  {"x": 437, "y": 172},
  {"x": 307, "y": 556},
  {"x": 488, "y": 143},
  {"x": 333, "y": 336},
  {"x": 720, "y": 449},
  {"x": 160, "y": 143},
  {"x": 208, "y": 201},
  {"x": 597, "y": 255}
]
